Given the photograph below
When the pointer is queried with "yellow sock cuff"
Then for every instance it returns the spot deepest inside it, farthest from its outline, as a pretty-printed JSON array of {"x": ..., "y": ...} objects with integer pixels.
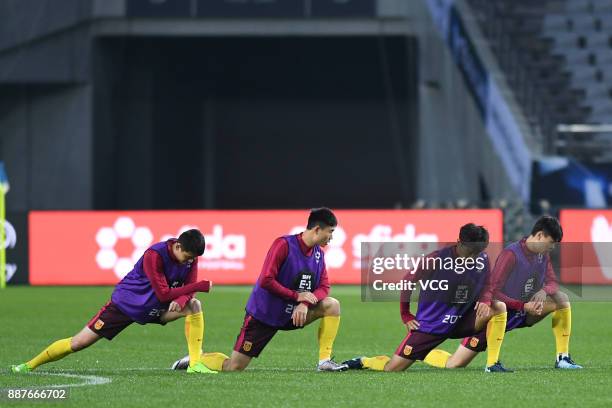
[
  {"x": 63, "y": 347},
  {"x": 195, "y": 317},
  {"x": 329, "y": 322},
  {"x": 437, "y": 358},
  {"x": 377, "y": 363},
  {"x": 500, "y": 316},
  {"x": 214, "y": 361},
  {"x": 559, "y": 315}
]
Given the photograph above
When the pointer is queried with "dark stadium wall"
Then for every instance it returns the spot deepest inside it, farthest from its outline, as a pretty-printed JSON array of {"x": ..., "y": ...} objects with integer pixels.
[
  {"x": 456, "y": 157},
  {"x": 45, "y": 103},
  {"x": 255, "y": 122},
  {"x": 25, "y": 20},
  {"x": 46, "y": 145},
  {"x": 248, "y": 121}
]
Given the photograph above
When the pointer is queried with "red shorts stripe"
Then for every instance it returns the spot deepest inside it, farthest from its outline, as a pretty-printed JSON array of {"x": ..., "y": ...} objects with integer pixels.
[
  {"x": 400, "y": 348},
  {"x": 97, "y": 316},
  {"x": 240, "y": 340}
]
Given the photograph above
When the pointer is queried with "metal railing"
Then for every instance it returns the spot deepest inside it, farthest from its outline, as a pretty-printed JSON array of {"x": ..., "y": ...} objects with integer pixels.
[{"x": 585, "y": 142}]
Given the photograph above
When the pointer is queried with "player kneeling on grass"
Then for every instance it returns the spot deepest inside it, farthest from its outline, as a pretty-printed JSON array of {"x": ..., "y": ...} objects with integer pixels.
[
  {"x": 291, "y": 292},
  {"x": 159, "y": 290},
  {"x": 447, "y": 314},
  {"x": 523, "y": 278}
]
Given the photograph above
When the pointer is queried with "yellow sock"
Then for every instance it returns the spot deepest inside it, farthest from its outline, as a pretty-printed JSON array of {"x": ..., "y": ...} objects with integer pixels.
[
  {"x": 437, "y": 358},
  {"x": 194, "y": 333},
  {"x": 54, "y": 352},
  {"x": 327, "y": 334},
  {"x": 377, "y": 363},
  {"x": 562, "y": 328},
  {"x": 496, "y": 329},
  {"x": 214, "y": 361}
]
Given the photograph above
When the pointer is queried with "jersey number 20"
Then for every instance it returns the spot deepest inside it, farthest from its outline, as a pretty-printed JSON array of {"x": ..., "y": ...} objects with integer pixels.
[{"x": 451, "y": 319}]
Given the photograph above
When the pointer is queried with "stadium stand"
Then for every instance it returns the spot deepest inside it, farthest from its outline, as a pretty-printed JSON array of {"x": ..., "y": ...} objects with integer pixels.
[{"x": 557, "y": 57}]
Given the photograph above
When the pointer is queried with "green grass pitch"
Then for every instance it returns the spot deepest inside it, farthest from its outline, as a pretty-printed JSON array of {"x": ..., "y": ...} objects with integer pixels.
[{"x": 137, "y": 360}]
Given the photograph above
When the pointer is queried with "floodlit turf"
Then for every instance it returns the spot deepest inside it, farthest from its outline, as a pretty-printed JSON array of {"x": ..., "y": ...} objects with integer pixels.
[{"x": 137, "y": 360}]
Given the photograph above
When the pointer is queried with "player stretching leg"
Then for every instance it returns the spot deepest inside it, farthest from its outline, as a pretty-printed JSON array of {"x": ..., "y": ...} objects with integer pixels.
[
  {"x": 448, "y": 314},
  {"x": 523, "y": 278},
  {"x": 291, "y": 292},
  {"x": 143, "y": 296}
]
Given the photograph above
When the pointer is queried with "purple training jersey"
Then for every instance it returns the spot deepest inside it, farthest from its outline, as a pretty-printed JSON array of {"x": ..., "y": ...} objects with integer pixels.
[
  {"x": 527, "y": 276},
  {"x": 134, "y": 295},
  {"x": 439, "y": 311},
  {"x": 299, "y": 272}
]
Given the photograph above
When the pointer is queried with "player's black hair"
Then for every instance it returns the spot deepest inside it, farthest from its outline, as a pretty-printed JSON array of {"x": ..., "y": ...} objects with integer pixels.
[
  {"x": 474, "y": 236},
  {"x": 323, "y": 217},
  {"x": 193, "y": 242},
  {"x": 550, "y": 226}
]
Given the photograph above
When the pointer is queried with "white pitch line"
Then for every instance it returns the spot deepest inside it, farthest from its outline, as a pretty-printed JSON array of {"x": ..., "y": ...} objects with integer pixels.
[
  {"x": 136, "y": 369},
  {"x": 87, "y": 380},
  {"x": 99, "y": 380}
]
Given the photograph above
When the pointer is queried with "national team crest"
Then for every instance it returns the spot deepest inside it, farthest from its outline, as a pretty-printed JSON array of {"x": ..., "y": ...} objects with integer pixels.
[
  {"x": 407, "y": 350},
  {"x": 247, "y": 346},
  {"x": 474, "y": 342},
  {"x": 98, "y": 324}
]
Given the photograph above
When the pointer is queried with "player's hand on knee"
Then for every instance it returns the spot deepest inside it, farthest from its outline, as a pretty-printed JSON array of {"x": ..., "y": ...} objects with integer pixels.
[
  {"x": 307, "y": 297},
  {"x": 539, "y": 297},
  {"x": 483, "y": 310},
  {"x": 299, "y": 315},
  {"x": 413, "y": 325},
  {"x": 194, "y": 305},
  {"x": 174, "y": 307},
  {"x": 532, "y": 308},
  {"x": 539, "y": 308}
]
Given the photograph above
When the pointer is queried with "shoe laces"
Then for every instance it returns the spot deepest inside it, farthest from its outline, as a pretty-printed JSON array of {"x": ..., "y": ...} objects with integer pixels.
[{"x": 569, "y": 360}]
